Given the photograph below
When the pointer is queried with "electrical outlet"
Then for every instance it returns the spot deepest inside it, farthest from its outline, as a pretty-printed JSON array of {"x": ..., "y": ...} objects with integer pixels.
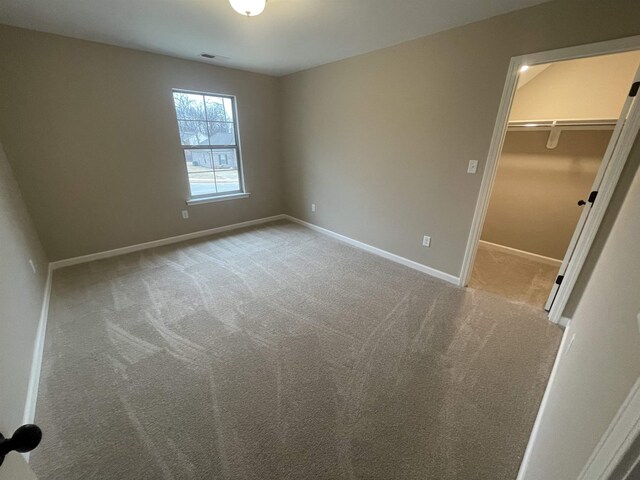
[
  {"x": 313, "y": 207},
  {"x": 473, "y": 166},
  {"x": 185, "y": 214},
  {"x": 33, "y": 266},
  {"x": 426, "y": 241}
]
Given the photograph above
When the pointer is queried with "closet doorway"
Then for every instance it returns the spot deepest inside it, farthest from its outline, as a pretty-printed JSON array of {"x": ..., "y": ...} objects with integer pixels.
[{"x": 564, "y": 125}]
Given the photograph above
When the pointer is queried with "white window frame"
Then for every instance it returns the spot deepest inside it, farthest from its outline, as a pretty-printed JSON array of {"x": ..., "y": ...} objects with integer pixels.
[{"x": 213, "y": 197}]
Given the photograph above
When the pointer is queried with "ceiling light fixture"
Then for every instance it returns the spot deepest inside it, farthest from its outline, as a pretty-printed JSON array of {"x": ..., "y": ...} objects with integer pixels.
[
  {"x": 250, "y": 8},
  {"x": 524, "y": 68}
]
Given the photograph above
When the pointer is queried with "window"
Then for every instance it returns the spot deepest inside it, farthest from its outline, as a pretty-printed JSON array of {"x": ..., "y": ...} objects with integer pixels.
[{"x": 209, "y": 137}]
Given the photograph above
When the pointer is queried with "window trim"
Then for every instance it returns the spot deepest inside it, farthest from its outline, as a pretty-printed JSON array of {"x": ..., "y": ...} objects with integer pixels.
[{"x": 219, "y": 196}]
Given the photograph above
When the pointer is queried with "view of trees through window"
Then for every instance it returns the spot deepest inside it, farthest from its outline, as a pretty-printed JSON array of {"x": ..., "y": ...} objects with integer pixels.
[{"x": 207, "y": 127}]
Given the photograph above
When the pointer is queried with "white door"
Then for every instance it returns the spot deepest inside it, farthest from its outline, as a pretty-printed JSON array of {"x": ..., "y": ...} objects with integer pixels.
[{"x": 587, "y": 203}]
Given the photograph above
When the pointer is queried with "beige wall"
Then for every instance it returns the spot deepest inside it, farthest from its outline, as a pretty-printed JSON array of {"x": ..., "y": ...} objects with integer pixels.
[
  {"x": 596, "y": 374},
  {"x": 91, "y": 133},
  {"x": 587, "y": 88},
  {"x": 21, "y": 294},
  {"x": 380, "y": 142},
  {"x": 533, "y": 204}
]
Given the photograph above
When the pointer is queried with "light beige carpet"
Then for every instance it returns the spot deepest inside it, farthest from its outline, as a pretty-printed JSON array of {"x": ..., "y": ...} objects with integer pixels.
[
  {"x": 524, "y": 280},
  {"x": 279, "y": 353}
]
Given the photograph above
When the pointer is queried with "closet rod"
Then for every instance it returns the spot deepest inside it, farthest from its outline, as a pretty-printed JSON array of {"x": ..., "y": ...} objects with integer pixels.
[{"x": 594, "y": 124}]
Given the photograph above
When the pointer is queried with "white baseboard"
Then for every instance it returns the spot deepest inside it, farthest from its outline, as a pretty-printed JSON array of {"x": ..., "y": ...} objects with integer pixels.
[
  {"x": 158, "y": 243},
  {"x": 521, "y": 253},
  {"x": 523, "y": 473},
  {"x": 382, "y": 253}
]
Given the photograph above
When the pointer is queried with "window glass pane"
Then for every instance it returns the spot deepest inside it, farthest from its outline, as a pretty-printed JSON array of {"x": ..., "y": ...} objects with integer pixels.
[
  {"x": 201, "y": 176},
  {"x": 198, "y": 160},
  {"x": 221, "y": 134},
  {"x": 218, "y": 109},
  {"x": 189, "y": 106},
  {"x": 202, "y": 183},
  {"x": 193, "y": 132},
  {"x": 227, "y": 180},
  {"x": 228, "y": 108},
  {"x": 224, "y": 159}
]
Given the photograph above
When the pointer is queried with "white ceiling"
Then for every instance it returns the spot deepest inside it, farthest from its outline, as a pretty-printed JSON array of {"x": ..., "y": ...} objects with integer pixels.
[{"x": 290, "y": 35}]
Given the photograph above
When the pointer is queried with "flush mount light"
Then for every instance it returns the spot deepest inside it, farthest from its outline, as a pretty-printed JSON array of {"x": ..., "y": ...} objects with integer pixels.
[
  {"x": 524, "y": 68},
  {"x": 250, "y": 8}
]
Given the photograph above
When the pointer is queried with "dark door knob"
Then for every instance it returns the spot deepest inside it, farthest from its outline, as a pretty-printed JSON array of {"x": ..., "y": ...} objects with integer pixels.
[
  {"x": 581, "y": 203},
  {"x": 24, "y": 439}
]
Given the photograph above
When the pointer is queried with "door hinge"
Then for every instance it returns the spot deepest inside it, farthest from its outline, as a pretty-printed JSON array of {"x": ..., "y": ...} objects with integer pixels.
[
  {"x": 592, "y": 197},
  {"x": 634, "y": 89},
  {"x": 559, "y": 279}
]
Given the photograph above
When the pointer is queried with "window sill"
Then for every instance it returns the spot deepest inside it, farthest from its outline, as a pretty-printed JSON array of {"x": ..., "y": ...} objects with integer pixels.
[{"x": 217, "y": 198}]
